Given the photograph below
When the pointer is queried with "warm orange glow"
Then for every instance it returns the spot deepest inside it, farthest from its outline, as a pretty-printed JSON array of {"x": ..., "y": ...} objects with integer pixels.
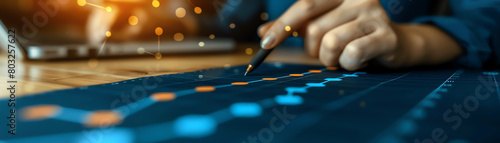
[
  {"x": 158, "y": 56},
  {"x": 163, "y": 96},
  {"x": 249, "y": 68},
  {"x": 204, "y": 89},
  {"x": 156, "y": 3},
  {"x": 84, "y": 2},
  {"x": 239, "y": 83},
  {"x": 40, "y": 112},
  {"x": 158, "y": 31},
  {"x": 108, "y": 9},
  {"x": 178, "y": 37},
  {"x": 180, "y": 12},
  {"x": 332, "y": 68},
  {"x": 81, "y": 2},
  {"x": 197, "y": 10},
  {"x": 133, "y": 20},
  {"x": 249, "y": 51},
  {"x": 315, "y": 71},
  {"x": 269, "y": 79},
  {"x": 108, "y": 34},
  {"x": 103, "y": 118}
]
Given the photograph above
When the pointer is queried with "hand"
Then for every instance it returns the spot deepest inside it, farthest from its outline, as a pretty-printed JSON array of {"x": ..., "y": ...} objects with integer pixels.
[{"x": 348, "y": 33}]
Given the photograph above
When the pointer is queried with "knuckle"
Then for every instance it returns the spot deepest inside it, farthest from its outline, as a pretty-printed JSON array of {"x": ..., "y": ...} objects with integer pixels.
[
  {"x": 368, "y": 3},
  {"x": 312, "y": 30},
  {"x": 368, "y": 27},
  {"x": 307, "y": 4},
  {"x": 362, "y": 42},
  {"x": 330, "y": 41},
  {"x": 388, "y": 35},
  {"x": 383, "y": 17},
  {"x": 354, "y": 51},
  {"x": 279, "y": 23},
  {"x": 349, "y": 63},
  {"x": 372, "y": 3},
  {"x": 346, "y": 64}
]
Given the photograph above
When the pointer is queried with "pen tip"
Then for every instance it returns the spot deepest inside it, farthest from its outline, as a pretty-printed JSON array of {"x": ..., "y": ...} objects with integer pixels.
[{"x": 250, "y": 67}]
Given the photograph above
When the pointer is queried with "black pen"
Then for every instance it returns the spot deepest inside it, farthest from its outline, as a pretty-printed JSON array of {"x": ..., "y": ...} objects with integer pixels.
[{"x": 258, "y": 59}]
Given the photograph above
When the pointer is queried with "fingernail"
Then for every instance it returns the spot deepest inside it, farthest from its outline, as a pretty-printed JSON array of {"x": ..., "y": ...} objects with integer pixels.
[{"x": 267, "y": 42}]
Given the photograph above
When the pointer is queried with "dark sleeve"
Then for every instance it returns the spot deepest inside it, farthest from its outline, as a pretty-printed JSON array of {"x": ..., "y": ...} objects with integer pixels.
[{"x": 475, "y": 25}]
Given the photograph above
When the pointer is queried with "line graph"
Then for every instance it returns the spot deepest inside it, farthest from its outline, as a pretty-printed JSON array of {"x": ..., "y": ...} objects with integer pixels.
[{"x": 187, "y": 108}]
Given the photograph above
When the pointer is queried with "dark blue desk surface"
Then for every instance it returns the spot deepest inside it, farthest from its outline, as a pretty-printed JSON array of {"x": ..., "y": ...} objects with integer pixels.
[{"x": 450, "y": 105}]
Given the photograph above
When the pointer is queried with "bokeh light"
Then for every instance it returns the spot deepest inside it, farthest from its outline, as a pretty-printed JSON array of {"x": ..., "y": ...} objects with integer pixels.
[
  {"x": 232, "y": 25},
  {"x": 108, "y": 9},
  {"x": 204, "y": 88},
  {"x": 295, "y": 33},
  {"x": 108, "y": 34},
  {"x": 163, "y": 96},
  {"x": 133, "y": 20},
  {"x": 158, "y": 56},
  {"x": 249, "y": 51},
  {"x": 197, "y": 10},
  {"x": 288, "y": 28},
  {"x": 156, "y": 3},
  {"x": 201, "y": 44},
  {"x": 81, "y": 2},
  {"x": 141, "y": 50},
  {"x": 264, "y": 16},
  {"x": 362, "y": 104},
  {"x": 103, "y": 118},
  {"x": 212, "y": 36},
  {"x": 158, "y": 31},
  {"x": 178, "y": 36},
  {"x": 180, "y": 12}
]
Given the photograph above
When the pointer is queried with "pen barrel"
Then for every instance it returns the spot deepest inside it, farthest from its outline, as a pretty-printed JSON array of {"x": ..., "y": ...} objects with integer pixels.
[{"x": 260, "y": 57}]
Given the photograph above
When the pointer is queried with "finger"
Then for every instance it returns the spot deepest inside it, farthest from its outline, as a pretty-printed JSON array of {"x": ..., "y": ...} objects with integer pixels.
[
  {"x": 371, "y": 47},
  {"x": 263, "y": 28},
  {"x": 316, "y": 29},
  {"x": 294, "y": 18},
  {"x": 334, "y": 41},
  {"x": 358, "y": 52}
]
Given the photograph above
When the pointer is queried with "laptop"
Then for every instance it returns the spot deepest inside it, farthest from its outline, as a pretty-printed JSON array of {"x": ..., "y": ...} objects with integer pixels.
[{"x": 43, "y": 51}]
